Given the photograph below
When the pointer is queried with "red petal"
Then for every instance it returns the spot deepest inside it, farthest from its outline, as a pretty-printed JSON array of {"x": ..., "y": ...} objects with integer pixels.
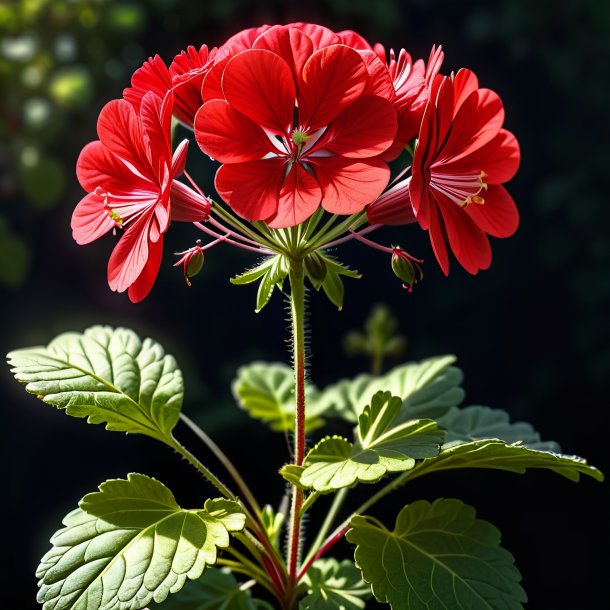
[
  {"x": 354, "y": 40},
  {"x": 379, "y": 82},
  {"x": 97, "y": 166},
  {"x": 156, "y": 117},
  {"x": 179, "y": 158},
  {"x": 211, "y": 87},
  {"x": 348, "y": 185},
  {"x": 333, "y": 78},
  {"x": 498, "y": 216},
  {"x": 120, "y": 131},
  {"x": 141, "y": 287},
  {"x": 300, "y": 197},
  {"x": 259, "y": 84},
  {"x": 90, "y": 220},
  {"x": 320, "y": 36},
  {"x": 252, "y": 189},
  {"x": 468, "y": 242},
  {"x": 242, "y": 40},
  {"x": 438, "y": 239},
  {"x": 130, "y": 255},
  {"x": 292, "y": 45},
  {"x": 228, "y": 136},
  {"x": 364, "y": 129},
  {"x": 152, "y": 76},
  {"x": 465, "y": 83},
  {"x": 186, "y": 205}
]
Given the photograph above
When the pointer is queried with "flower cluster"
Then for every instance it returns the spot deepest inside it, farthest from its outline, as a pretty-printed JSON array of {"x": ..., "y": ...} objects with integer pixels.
[{"x": 303, "y": 121}]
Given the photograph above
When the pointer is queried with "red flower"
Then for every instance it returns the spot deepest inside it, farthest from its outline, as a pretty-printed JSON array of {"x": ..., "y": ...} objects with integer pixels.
[
  {"x": 130, "y": 176},
  {"x": 184, "y": 77},
  {"x": 462, "y": 158},
  {"x": 280, "y": 170}
]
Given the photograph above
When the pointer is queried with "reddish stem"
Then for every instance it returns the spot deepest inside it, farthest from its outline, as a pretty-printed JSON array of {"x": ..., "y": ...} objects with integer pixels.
[{"x": 334, "y": 538}]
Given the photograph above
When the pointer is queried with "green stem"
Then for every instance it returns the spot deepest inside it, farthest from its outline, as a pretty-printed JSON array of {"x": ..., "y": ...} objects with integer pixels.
[
  {"x": 226, "y": 462},
  {"x": 297, "y": 310},
  {"x": 239, "y": 568},
  {"x": 324, "y": 236},
  {"x": 328, "y": 521},
  {"x": 240, "y": 226}
]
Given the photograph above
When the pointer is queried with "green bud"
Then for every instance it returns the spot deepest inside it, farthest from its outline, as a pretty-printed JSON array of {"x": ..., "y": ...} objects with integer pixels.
[
  {"x": 316, "y": 268},
  {"x": 195, "y": 264},
  {"x": 403, "y": 268}
]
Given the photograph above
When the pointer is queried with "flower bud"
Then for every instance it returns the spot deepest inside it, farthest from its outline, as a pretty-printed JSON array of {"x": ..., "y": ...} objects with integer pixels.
[
  {"x": 191, "y": 261},
  {"x": 405, "y": 268},
  {"x": 316, "y": 267}
]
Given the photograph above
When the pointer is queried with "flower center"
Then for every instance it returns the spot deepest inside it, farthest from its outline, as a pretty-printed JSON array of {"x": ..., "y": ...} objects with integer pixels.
[{"x": 462, "y": 190}]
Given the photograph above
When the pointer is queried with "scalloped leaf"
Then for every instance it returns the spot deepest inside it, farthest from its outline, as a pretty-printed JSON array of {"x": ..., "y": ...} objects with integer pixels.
[
  {"x": 129, "y": 544},
  {"x": 108, "y": 376},
  {"x": 266, "y": 392},
  {"x": 215, "y": 590},
  {"x": 333, "y": 585},
  {"x": 514, "y": 457},
  {"x": 438, "y": 556},
  {"x": 384, "y": 445},
  {"x": 428, "y": 388},
  {"x": 476, "y": 423}
]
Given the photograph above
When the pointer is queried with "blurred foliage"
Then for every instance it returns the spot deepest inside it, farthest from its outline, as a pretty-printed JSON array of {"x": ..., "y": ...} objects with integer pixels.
[{"x": 379, "y": 339}]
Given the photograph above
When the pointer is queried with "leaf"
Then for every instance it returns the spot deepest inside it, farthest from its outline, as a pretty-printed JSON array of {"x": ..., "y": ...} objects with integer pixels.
[
  {"x": 333, "y": 288},
  {"x": 331, "y": 585},
  {"x": 438, "y": 556},
  {"x": 266, "y": 391},
  {"x": 108, "y": 376},
  {"x": 428, "y": 388},
  {"x": 384, "y": 445},
  {"x": 214, "y": 590},
  {"x": 477, "y": 423},
  {"x": 331, "y": 282},
  {"x": 130, "y": 543},
  {"x": 514, "y": 457}
]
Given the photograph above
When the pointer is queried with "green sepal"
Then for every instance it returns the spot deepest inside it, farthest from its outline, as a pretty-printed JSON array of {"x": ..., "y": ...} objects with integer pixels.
[
  {"x": 266, "y": 392},
  {"x": 215, "y": 590},
  {"x": 108, "y": 376},
  {"x": 333, "y": 585},
  {"x": 331, "y": 282},
  {"x": 251, "y": 275},
  {"x": 438, "y": 556},
  {"x": 274, "y": 276},
  {"x": 131, "y": 543}
]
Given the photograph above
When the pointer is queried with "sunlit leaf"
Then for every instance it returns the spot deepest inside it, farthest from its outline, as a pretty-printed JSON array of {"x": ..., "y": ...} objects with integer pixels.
[
  {"x": 108, "y": 376},
  {"x": 384, "y": 444},
  {"x": 438, "y": 556},
  {"x": 331, "y": 585},
  {"x": 129, "y": 544}
]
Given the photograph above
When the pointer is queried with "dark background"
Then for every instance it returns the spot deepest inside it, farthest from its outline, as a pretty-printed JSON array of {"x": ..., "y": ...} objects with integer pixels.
[{"x": 531, "y": 333}]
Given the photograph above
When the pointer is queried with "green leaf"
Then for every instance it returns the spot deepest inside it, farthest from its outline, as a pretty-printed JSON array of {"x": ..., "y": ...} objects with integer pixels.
[
  {"x": 130, "y": 543},
  {"x": 331, "y": 585},
  {"x": 266, "y": 392},
  {"x": 428, "y": 388},
  {"x": 384, "y": 445},
  {"x": 274, "y": 276},
  {"x": 477, "y": 423},
  {"x": 438, "y": 556},
  {"x": 332, "y": 283},
  {"x": 108, "y": 376},
  {"x": 214, "y": 590},
  {"x": 514, "y": 457}
]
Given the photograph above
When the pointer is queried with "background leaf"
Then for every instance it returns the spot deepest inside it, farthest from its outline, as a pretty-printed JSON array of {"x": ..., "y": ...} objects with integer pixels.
[
  {"x": 333, "y": 585},
  {"x": 477, "y": 423},
  {"x": 266, "y": 392},
  {"x": 428, "y": 388},
  {"x": 214, "y": 590},
  {"x": 135, "y": 545},
  {"x": 438, "y": 556},
  {"x": 108, "y": 376}
]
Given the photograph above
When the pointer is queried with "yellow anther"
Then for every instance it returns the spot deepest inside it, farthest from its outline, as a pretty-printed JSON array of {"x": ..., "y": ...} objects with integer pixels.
[{"x": 478, "y": 200}]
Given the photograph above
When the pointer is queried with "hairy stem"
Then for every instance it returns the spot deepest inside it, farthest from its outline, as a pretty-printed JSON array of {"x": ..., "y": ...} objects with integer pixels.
[{"x": 297, "y": 310}]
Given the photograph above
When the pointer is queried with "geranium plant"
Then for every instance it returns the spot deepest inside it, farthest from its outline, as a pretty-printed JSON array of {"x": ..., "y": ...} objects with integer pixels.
[{"x": 304, "y": 123}]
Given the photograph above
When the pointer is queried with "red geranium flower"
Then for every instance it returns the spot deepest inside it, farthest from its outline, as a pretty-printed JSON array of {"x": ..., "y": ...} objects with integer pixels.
[
  {"x": 183, "y": 77},
  {"x": 130, "y": 176},
  {"x": 279, "y": 169},
  {"x": 462, "y": 157}
]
